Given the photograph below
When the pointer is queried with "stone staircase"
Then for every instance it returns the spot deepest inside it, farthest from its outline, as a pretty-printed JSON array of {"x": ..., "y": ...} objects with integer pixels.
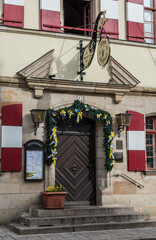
[{"x": 81, "y": 218}]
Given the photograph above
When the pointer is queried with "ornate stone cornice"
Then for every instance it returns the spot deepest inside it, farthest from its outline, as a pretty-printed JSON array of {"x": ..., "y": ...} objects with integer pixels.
[
  {"x": 59, "y": 85},
  {"x": 11, "y": 81},
  {"x": 72, "y": 86}
]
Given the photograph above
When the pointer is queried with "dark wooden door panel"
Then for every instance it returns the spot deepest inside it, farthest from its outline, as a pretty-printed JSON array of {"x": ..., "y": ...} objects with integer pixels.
[{"x": 75, "y": 167}]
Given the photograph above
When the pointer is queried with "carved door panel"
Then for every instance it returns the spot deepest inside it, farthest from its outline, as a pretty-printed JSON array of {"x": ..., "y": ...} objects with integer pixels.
[{"x": 75, "y": 168}]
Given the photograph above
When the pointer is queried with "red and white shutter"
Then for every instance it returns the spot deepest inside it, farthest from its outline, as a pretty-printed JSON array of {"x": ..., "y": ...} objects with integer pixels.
[
  {"x": 135, "y": 20},
  {"x": 50, "y": 14},
  {"x": 11, "y": 151},
  {"x": 111, "y": 26},
  {"x": 136, "y": 142},
  {"x": 14, "y": 13}
]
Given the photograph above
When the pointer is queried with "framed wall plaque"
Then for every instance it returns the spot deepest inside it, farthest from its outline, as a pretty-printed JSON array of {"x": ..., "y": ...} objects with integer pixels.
[
  {"x": 119, "y": 144},
  {"x": 118, "y": 156},
  {"x": 34, "y": 160}
]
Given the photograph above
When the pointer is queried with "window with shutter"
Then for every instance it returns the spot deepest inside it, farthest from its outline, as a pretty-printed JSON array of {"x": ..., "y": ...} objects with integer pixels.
[
  {"x": 14, "y": 13},
  {"x": 11, "y": 140},
  {"x": 111, "y": 26},
  {"x": 136, "y": 142},
  {"x": 135, "y": 20},
  {"x": 50, "y": 15},
  {"x": 78, "y": 14}
]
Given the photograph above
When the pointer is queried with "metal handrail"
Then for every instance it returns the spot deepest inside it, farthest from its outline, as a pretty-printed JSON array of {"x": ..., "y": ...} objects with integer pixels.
[
  {"x": 76, "y": 29},
  {"x": 139, "y": 185},
  {"x": 12, "y": 21}
]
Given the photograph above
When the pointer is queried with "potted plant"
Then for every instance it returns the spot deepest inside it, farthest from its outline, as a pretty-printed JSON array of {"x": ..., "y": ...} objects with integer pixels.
[{"x": 53, "y": 197}]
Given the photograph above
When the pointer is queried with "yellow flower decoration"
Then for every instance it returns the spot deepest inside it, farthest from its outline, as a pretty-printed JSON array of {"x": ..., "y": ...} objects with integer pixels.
[
  {"x": 79, "y": 116},
  {"x": 87, "y": 108},
  {"x": 63, "y": 112},
  {"x": 98, "y": 116},
  {"x": 70, "y": 113},
  {"x": 111, "y": 136},
  {"x": 113, "y": 163}
]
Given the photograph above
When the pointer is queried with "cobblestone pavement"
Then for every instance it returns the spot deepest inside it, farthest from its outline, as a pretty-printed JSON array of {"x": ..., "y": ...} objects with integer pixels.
[{"x": 121, "y": 234}]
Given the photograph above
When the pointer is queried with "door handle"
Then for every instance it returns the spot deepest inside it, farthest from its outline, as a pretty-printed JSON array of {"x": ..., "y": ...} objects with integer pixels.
[{"x": 74, "y": 167}]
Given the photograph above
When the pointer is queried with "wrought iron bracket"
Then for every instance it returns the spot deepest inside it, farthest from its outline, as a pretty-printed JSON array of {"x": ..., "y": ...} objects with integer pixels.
[
  {"x": 81, "y": 73},
  {"x": 87, "y": 52}
]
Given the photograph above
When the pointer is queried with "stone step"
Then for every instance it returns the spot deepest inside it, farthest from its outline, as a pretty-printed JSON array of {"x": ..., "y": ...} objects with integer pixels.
[
  {"x": 76, "y": 220},
  {"x": 77, "y": 203},
  {"x": 80, "y": 211},
  {"x": 25, "y": 230}
]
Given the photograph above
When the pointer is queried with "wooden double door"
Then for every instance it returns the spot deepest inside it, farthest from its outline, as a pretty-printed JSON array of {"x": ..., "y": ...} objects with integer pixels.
[{"x": 75, "y": 168}]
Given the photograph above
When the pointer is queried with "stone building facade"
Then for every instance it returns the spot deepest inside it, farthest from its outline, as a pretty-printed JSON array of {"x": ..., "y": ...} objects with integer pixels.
[{"x": 33, "y": 46}]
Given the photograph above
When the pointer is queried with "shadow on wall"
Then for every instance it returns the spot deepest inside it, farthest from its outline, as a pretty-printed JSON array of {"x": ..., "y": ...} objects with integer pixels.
[
  {"x": 67, "y": 67},
  {"x": 69, "y": 70},
  {"x": 67, "y": 63}
]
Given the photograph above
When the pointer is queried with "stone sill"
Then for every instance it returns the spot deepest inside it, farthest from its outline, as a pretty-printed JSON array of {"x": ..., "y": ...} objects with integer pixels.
[{"x": 150, "y": 173}]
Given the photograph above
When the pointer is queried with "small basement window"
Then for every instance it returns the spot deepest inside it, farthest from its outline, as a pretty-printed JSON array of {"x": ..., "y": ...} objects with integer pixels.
[{"x": 78, "y": 14}]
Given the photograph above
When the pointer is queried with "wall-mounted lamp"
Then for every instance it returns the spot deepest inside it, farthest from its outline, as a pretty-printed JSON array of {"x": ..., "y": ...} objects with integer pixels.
[
  {"x": 123, "y": 120},
  {"x": 38, "y": 116},
  {"x": 53, "y": 76}
]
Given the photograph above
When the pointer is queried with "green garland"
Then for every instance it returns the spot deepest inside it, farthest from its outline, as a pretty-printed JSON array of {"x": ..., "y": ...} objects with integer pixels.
[{"x": 77, "y": 110}]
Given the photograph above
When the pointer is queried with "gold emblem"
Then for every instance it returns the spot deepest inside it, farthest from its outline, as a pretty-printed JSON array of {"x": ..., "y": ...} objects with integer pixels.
[
  {"x": 87, "y": 56},
  {"x": 103, "y": 51},
  {"x": 103, "y": 47}
]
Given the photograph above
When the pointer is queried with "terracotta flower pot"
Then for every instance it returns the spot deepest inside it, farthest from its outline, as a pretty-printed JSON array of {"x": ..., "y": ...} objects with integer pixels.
[{"x": 53, "y": 200}]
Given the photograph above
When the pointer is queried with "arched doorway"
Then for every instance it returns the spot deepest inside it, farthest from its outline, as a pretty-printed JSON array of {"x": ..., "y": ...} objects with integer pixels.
[
  {"x": 73, "y": 118},
  {"x": 76, "y": 159}
]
